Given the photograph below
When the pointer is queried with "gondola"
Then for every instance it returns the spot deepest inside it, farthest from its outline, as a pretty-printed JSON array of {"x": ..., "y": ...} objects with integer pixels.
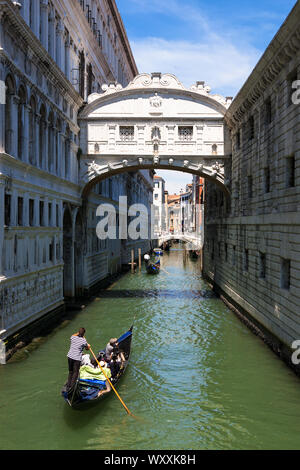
[
  {"x": 85, "y": 393},
  {"x": 158, "y": 252},
  {"x": 153, "y": 268}
]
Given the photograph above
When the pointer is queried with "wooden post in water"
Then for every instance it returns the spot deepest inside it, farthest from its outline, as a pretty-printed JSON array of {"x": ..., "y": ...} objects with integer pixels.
[
  {"x": 132, "y": 261},
  {"x": 140, "y": 259},
  {"x": 201, "y": 260}
]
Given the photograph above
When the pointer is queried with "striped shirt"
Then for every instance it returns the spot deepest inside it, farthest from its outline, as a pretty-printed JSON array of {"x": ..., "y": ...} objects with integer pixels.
[{"x": 78, "y": 344}]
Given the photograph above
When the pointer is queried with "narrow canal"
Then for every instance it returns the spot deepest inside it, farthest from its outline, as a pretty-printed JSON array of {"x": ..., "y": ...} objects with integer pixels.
[{"x": 198, "y": 378}]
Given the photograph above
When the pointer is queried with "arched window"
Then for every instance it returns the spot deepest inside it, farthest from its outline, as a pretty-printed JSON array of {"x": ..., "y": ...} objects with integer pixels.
[
  {"x": 9, "y": 94},
  {"x": 32, "y": 131},
  {"x": 42, "y": 129}
]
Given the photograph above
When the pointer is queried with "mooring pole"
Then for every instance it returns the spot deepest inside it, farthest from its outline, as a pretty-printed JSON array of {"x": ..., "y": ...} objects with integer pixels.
[{"x": 132, "y": 261}]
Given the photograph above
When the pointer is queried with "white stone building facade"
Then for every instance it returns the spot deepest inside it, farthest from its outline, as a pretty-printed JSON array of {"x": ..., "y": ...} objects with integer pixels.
[{"x": 53, "y": 55}]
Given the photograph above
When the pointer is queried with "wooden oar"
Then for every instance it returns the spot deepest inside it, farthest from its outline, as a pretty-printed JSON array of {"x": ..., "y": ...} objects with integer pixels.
[
  {"x": 128, "y": 411},
  {"x": 164, "y": 270}
]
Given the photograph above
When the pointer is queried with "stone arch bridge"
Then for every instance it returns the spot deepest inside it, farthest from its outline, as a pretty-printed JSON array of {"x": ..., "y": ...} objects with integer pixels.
[{"x": 155, "y": 123}]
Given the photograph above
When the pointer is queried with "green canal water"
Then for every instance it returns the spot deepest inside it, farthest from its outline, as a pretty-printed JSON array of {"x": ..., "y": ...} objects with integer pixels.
[{"x": 198, "y": 378}]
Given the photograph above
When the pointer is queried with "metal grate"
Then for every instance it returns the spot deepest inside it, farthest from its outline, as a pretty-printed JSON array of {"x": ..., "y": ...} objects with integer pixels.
[
  {"x": 126, "y": 133},
  {"x": 185, "y": 133}
]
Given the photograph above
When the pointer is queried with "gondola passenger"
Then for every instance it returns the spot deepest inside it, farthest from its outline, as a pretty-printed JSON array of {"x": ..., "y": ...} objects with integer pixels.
[
  {"x": 115, "y": 365},
  {"x": 110, "y": 347}
]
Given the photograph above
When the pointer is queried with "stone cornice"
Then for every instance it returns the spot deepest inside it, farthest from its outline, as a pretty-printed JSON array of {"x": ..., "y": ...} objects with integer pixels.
[
  {"x": 45, "y": 62},
  {"x": 31, "y": 169},
  {"x": 279, "y": 53}
]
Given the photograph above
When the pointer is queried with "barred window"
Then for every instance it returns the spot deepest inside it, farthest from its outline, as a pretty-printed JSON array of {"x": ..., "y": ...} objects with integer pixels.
[
  {"x": 126, "y": 133},
  {"x": 185, "y": 133}
]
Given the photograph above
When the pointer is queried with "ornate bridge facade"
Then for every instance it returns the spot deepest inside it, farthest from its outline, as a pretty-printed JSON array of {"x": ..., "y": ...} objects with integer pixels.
[{"x": 155, "y": 122}]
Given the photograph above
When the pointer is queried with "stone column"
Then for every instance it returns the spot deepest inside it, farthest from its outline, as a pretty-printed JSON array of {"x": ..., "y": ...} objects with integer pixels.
[
  {"x": 26, "y": 4},
  {"x": 36, "y": 20},
  {"x": 51, "y": 31},
  {"x": 25, "y": 144},
  {"x": 45, "y": 147},
  {"x": 2, "y": 102},
  {"x": 37, "y": 139},
  {"x": 44, "y": 23},
  {"x": 13, "y": 132},
  {"x": 67, "y": 58},
  {"x": 62, "y": 157},
  {"x": 60, "y": 48},
  {"x": 58, "y": 155},
  {"x": 1, "y": 31}
]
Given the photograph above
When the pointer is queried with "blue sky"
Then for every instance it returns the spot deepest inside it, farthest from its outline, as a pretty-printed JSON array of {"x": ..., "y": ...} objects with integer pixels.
[{"x": 219, "y": 41}]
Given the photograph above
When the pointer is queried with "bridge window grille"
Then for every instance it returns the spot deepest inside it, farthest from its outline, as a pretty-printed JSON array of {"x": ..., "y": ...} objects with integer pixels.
[
  {"x": 126, "y": 133},
  {"x": 185, "y": 133}
]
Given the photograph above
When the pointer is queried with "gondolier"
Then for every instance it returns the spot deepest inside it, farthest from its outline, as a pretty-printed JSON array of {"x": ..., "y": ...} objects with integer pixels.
[{"x": 77, "y": 345}]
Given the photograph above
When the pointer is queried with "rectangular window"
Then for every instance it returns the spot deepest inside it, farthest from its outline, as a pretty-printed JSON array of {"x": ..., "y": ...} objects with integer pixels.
[
  {"x": 20, "y": 211},
  {"x": 233, "y": 256},
  {"x": 57, "y": 215},
  {"x": 285, "y": 274},
  {"x": 126, "y": 133},
  {"x": 251, "y": 128},
  {"x": 238, "y": 140},
  {"x": 31, "y": 212},
  {"x": 250, "y": 187},
  {"x": 50, "y": 214},
  {"x": 41, "y": 213},
  {"x": 290, "y": 171},
  {"x": 185, "y": 133},
  {"x": 262, "y": 265},
  {"x": 51, "y": 245},
  {"x": 246, "y": 260},
  {"x": 268, "y": 111},
  {"x": 267, "y": 179},
  {"x": 226, "y": 251},
  {"x": 7, "y": 210}
]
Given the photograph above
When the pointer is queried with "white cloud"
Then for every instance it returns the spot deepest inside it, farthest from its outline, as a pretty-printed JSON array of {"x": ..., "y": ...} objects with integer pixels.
[{"x": 222, "y": 65}]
